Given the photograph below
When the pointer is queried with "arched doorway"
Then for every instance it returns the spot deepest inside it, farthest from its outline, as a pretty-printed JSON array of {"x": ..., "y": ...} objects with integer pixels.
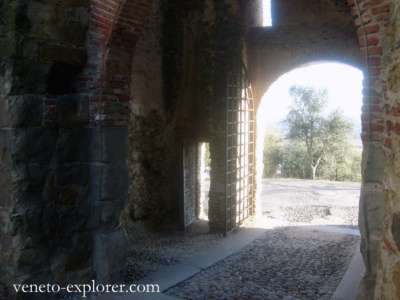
[{"x": 281, "y": 156}]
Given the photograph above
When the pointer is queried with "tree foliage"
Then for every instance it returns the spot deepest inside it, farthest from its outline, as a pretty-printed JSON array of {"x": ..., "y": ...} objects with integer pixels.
[
  {"x": 315, "y": 144},
  {"x": 273, "y": 145}
]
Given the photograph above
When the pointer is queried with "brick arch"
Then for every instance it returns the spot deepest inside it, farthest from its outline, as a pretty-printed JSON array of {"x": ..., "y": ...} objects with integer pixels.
[
  {"x": 116, "y": 27},
  {"x": 295, "y": 40},
  {"x": 110, "y": 16},
  {"x": 103, "y": 15},
  {"x": 275, "y": 62}
]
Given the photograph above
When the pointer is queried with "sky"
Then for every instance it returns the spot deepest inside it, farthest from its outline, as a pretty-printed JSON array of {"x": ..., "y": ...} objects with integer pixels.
[
  {"x": 267, "y": 19},
  {"x": 343, "y": 83}
]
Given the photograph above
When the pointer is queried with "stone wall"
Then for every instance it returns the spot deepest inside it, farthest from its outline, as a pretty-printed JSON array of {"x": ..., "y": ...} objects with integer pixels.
[
  {"x": 43, "y": 203},
  {"x": 64, "y": 139},
  {"x": 379, "y": 205}
]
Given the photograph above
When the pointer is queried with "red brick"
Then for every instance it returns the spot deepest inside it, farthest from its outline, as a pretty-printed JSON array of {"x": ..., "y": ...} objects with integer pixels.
[
  {"x": 380, "y": 9},
  {"x": 374, "y": 61},
  {"x": 375, "y": 71},
  {"x": 376, "y": 2},
  {"x": 388, "y": 143},
  {"x": 371, "y": 41}
]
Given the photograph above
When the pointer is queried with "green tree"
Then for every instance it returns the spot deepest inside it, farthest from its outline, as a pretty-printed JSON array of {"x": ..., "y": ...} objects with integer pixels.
[
  {"x": 272, "y": 153},
  {"x": 307, "y": 125},
  {"x": 294, "y": 160},
  {"x": 344, "y": 164}
]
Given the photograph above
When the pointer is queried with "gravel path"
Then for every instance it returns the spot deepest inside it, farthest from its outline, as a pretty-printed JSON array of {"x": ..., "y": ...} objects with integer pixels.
[
  {"x": 317, "y": 202},
  {"x": 288, "y": 263}
]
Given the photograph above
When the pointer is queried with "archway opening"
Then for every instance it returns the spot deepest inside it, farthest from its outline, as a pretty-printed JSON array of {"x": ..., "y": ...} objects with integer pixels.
[{"x": 317, "y": 184}]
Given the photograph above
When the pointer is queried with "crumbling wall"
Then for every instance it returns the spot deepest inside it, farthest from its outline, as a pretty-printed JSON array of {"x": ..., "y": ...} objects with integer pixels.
[
  {"x": 153, "y": 155},
  {"x": 152, "y": 161}
]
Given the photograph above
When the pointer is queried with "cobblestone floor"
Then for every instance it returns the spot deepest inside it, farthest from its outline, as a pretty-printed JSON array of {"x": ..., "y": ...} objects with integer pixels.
[
  {"x": 288, "y": 263},
  {"x": 161, "y": 249}
]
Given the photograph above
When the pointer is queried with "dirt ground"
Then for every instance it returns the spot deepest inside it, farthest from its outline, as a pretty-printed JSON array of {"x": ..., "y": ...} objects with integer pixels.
[{"x": 316, "y": 202}]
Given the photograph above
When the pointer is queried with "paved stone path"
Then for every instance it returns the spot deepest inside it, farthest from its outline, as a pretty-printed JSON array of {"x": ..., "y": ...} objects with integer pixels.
[{"x": 288, "y": 263}]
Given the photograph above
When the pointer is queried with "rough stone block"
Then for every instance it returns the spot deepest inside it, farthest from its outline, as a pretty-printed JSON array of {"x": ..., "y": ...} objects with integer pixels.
[
  {"x": 109, "y": 183},
  {"x": 375, "y": 164},
  {"x": 33, "y": 144},
  {"x": 6, "y": 78},
  {"x": 29, "y": 77},
  {"x": 74, "y": 145},
  {"x": 115, "y": 183},
  {"x": 109, "y": 144},
  {"x": 21, "y": 111},
  {"x": 110, "y": 255},
  {"x": 106, "y": 215},
  {"x": 373, "y": 207},
  {"x": 76, "y": 262},
  {"x": 72, "y": 111},
  {"x": 396, "y": 229},
  {"x": 5, "y": 146},
  {"x": 77, "y": 174},
  {"x": 6, "y": 47},
  {"x": 26, "y": 221}
]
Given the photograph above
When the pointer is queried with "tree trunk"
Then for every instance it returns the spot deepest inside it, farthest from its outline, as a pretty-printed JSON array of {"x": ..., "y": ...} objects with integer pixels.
[
  {"x": 314, "y": 167},
  {"x": 314, "y": 171}
]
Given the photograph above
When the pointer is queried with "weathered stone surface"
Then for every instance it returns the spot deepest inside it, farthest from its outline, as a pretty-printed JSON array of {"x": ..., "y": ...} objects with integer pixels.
[
  {"x": 372, "y": 207},
  {"x": 74, "y": 144},
  {"x": 72, "y": 111},
  {"x": 396, "y": 230},
  {"x": 380, "y": 253},
  {"x": 152, "y": 163},
  {"x": 394, "y": 79},
  {"x": 21, "y": 111},
  {"x": 375, "y": 164},
  {"x": 109, "y": 266},
  {"x": 33, "y": 144},
  {"x": 396, "y": 279},
  {"x": 114, "y": 183},
  {"x": 109, "y": 144}
]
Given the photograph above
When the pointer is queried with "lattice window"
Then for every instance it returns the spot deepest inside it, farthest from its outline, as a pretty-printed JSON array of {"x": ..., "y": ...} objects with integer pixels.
[{"x": 240, "y": 164}]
